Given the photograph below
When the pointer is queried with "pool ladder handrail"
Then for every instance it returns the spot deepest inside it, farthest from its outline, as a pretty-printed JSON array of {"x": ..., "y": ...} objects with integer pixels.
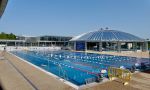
[
  {"x": 63, "y": 72},
  {"x": 123, "y": 74}
]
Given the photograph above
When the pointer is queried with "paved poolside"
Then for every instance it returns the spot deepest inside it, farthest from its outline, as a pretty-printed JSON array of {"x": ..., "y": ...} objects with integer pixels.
[
  {"x": 11, "y": 79},
  {"x": 39, "y": 79},
  {"x": 140, "y": 81},
  {"x": 123, "y": 53}
]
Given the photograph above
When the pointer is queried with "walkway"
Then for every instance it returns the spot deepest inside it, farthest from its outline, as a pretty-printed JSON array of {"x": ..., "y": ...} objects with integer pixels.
[
  {"x": 140, "y": 81},
  {"x": 12, "y": 79}
]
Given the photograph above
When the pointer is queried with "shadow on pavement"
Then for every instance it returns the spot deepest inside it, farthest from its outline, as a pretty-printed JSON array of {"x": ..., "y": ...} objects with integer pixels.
[
  {"x": 1, "y": 88},
  {"x": 147, "y": 71}
]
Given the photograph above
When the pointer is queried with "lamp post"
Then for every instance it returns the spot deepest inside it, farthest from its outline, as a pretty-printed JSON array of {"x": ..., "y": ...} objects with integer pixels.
[
  {"x": 149, "y": 57},
  {"x": 148, "y": 50}
]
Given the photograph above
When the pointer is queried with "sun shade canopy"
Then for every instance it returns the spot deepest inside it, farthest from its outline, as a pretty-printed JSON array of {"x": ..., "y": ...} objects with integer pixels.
[{"x": 107, "y": 35}]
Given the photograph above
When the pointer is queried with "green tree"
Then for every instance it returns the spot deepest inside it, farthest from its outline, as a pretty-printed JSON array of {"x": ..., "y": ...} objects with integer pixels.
[{"x": 10, "y": 36}]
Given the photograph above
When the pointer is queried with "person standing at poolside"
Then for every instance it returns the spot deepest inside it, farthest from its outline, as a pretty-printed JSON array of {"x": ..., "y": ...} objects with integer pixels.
[{"x": 4, "y": 48}]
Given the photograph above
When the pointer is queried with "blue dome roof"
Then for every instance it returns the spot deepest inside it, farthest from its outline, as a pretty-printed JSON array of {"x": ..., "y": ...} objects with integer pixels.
[{"x": 107, "y": 35}]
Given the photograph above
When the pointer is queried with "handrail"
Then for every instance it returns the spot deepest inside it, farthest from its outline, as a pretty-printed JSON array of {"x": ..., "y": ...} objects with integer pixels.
[
  {"x": 123, "y": 74},
  {"x": 64, "y": 74}
]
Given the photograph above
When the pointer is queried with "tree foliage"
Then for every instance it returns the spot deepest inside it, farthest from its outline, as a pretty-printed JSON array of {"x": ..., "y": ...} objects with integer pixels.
[{"x": 10, "y": 36}]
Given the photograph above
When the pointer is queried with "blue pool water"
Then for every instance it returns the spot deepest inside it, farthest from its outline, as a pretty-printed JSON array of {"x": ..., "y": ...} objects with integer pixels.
[{"x": 77, "y": 67}]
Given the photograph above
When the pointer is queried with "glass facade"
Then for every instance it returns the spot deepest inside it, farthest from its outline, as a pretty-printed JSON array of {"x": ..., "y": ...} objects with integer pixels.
[
  {"x": 54, "y": 38},
  {"x": 80, "y": 46},
  {"x": 37, "y": 41}
]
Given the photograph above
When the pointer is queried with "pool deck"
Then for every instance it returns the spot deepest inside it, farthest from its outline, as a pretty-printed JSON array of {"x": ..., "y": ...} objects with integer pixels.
[
  {"x": 28, "y": 76},
  {"x": 122, "y": 53},
  {"x": 18, "y": 75}
]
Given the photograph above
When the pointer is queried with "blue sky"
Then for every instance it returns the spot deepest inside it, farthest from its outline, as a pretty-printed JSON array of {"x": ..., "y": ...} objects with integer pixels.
[{"x": 72, "y": 17}]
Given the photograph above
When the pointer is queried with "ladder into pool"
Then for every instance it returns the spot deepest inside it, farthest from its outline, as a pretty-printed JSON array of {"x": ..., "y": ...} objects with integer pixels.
[{"x": 64, "y": 74}]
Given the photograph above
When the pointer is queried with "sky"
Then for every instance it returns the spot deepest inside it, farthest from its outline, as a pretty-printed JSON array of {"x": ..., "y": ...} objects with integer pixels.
[{"x": 74, "y": 17}]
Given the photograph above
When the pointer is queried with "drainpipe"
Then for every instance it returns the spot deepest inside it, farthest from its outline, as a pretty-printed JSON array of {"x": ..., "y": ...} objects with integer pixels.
[
  {"x": 74, "y": 45},
  {"x": 85, "y": 46},
  {"x": 119, "y": 46},
  {"x": 100, "y": 46}
]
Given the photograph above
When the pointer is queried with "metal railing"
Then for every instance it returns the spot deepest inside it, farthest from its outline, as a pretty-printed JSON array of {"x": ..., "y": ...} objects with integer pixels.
[{"x": 123, "y": 74}]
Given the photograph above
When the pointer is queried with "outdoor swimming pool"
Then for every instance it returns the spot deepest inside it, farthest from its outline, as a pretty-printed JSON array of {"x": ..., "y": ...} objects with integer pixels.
[{"x": 76, "y": 67}]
